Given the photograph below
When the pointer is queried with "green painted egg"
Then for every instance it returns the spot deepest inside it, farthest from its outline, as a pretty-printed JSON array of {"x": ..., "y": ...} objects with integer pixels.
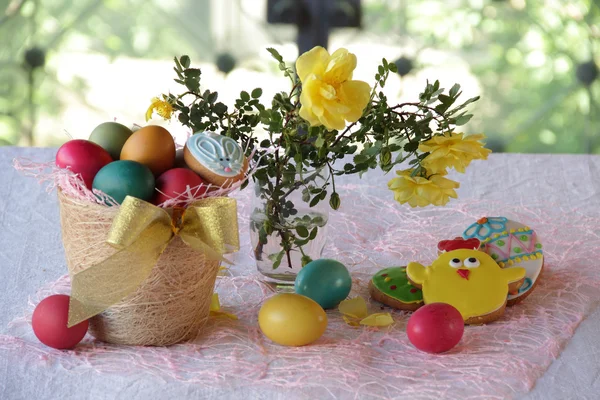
[
  {"x": 125, "y": 178},
  {"x": 111, "y": 136}
]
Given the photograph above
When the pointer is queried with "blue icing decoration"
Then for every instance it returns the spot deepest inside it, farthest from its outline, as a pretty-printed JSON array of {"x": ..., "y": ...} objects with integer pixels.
[
  {"x": 220, "y": 154},
  {"x": 487, "y": 229},
  {"x": 527, "y": 283}
]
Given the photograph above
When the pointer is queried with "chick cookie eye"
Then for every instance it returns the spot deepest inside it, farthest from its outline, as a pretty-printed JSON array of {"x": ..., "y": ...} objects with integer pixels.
[
  {"x": 471, "y": 262},
  {"x": 455, "y": 263}
]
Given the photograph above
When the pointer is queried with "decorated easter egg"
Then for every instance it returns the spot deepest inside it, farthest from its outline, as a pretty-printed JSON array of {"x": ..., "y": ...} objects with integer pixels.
[
  {"x": 82, "y": 157},
  {"x": 172, "y": 183},
  {"x": 326, "y": 281},
  {"x": 435, "y": 328},
  {"x": 152, "y": 146},
  {"x": 111, "y": 136},
  {"x": 125, "y": 178},
  {"x": 291, "y": 319},
  {"x": 49, "y": 322}
]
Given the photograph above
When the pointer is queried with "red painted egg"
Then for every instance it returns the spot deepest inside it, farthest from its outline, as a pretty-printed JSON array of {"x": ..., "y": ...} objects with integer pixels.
[
  {"x": 176, "y": 181},
  {"x": 435, "y": 328},
  {"x": 84, "y": 158},
  {"x": 49, "y": 323}
]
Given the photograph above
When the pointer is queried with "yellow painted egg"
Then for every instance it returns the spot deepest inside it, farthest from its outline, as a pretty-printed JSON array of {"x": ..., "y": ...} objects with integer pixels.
[
  {"x": 152, "y": 146},
  {"x": 291, "y": 319}
]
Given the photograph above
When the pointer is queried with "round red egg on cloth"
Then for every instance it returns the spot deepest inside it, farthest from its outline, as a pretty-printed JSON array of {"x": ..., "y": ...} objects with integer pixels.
[
  {"x": 175, "y": 181},
  {"x": 84, "y": 158},
  {"x": 49, "y": 323},
  {"x": 435, "y": 328}
]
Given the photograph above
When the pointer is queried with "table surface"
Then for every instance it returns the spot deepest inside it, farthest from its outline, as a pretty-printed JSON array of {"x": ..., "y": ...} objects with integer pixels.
[{"x": 31, "y": 255}]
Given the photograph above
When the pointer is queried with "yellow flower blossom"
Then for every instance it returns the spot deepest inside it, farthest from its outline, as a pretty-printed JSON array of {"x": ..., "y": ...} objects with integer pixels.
[
  {"x": 452, "y": 151},
  {"x": 162, "y": 107},
  {"x": 418, "y": 191},
  {"x": 329, "y": 95}
]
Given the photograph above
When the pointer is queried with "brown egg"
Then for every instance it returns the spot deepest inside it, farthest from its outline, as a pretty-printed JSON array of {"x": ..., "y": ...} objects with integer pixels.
[{"x": 152, "y": 146}]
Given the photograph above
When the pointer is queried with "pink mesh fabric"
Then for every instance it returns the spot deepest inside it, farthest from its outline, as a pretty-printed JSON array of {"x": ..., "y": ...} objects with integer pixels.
[{"x": 371, "y": 232}]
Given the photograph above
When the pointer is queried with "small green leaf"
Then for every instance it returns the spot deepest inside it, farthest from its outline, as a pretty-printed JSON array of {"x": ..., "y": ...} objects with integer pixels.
[
  {"x": 256, "y": 93},
  {"x": 178, "y": 64},
  {"x": 385, "y": 158},
  {"x": 463, "y": 119},
  {"x": 319, "y": 142},
  {"x": 305, "y": 196},
  {"x": 411, "y": 146},
  {"x": 334, "y": 201},
  {"x": 314, "y": 201},
  {"x": 245, "y": 96},
  {"x": 220, "y": 109},
  {"x": 275, "y": 54},
  {"x": 445, "y": 99},
  {"x": 212, "y": 97},
  {"x": 185, "y": 61},
  {"x": 302, "y": 231},
  {"x": 276, "y": 258},
  {"x": 454, "y": 90},
  {"x": 313, "y": 233}
]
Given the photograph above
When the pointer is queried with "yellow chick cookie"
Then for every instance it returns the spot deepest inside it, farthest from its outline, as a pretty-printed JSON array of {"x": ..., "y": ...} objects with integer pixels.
[{"x": 470, "y": 280}]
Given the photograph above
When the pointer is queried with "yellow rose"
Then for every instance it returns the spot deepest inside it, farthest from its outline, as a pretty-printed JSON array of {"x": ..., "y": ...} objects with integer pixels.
[
  {"x": 452, "y": 151},
  {"x": 329, "y": 95},
  {"x": 162, "y": 107},
  {"x": 418, "y": 191}
]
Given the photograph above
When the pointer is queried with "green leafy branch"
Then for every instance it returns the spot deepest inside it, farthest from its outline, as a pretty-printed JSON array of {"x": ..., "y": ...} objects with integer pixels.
[{"x": 294, "y": 156}]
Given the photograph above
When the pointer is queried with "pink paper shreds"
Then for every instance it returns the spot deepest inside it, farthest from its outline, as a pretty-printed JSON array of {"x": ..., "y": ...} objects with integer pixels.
[
  {"x": 370, "y": 232},
  {"x": 73, "y": 186}
]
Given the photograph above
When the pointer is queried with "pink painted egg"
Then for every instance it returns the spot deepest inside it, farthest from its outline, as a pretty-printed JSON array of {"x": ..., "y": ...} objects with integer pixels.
[
  {"x": 84, "y": 158},
  {"x": 435, "y": 328},
  {"x": 176, "y": 181},
  {"x": 49, "y": 322}
]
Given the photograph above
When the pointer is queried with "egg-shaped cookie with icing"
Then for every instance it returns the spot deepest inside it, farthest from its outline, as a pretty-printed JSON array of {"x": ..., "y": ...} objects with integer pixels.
[
  {"x": 510, "y": 244},
  {"x": 218, "y": 159}
]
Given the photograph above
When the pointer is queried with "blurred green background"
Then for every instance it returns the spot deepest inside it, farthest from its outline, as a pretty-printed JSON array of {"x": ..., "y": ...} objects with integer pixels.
[{"x": 68, "y": 65}]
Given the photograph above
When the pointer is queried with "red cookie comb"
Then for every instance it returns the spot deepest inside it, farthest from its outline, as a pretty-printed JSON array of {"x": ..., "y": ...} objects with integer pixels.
[{"x": 459, "y": 243}]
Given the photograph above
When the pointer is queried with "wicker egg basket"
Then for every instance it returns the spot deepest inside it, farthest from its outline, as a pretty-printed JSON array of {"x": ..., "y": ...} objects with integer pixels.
[{"x": 172, "y": 305}]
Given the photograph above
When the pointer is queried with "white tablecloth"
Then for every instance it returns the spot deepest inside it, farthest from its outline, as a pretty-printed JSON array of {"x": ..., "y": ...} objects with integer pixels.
[{"x": 31, "y": 255}]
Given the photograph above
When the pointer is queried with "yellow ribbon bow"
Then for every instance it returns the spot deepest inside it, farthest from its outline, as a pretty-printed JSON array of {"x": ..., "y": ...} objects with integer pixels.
[{"x": 142, "y": 231}]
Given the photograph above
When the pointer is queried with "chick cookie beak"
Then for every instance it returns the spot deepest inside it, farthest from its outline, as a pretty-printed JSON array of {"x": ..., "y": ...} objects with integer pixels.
[{"x": 464, "y": 273}]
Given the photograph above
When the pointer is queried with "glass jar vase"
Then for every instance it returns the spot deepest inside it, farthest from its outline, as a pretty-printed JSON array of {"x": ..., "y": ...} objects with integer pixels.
[{"x": 289, "y": 230}]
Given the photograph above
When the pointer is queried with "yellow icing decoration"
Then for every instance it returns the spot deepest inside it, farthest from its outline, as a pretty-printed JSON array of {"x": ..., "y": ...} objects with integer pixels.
[
  {"x": 484, "y": 290},
  {"x": 512, "y": 231},
  {"x": 525, "y": 258},
  {"x": 538, "y": 255},
  {"x": 501, "y": 264},
  {"x": 527, "y": 228},
  {"x": 496, "y": 235},
  {"x": 417, "y": 272},
  {"x": 518, "y": 259},
  {"x": 387, "y": 279},
  {"x": 510, "y": 262},
  {"x": 505, "y": 233}
]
